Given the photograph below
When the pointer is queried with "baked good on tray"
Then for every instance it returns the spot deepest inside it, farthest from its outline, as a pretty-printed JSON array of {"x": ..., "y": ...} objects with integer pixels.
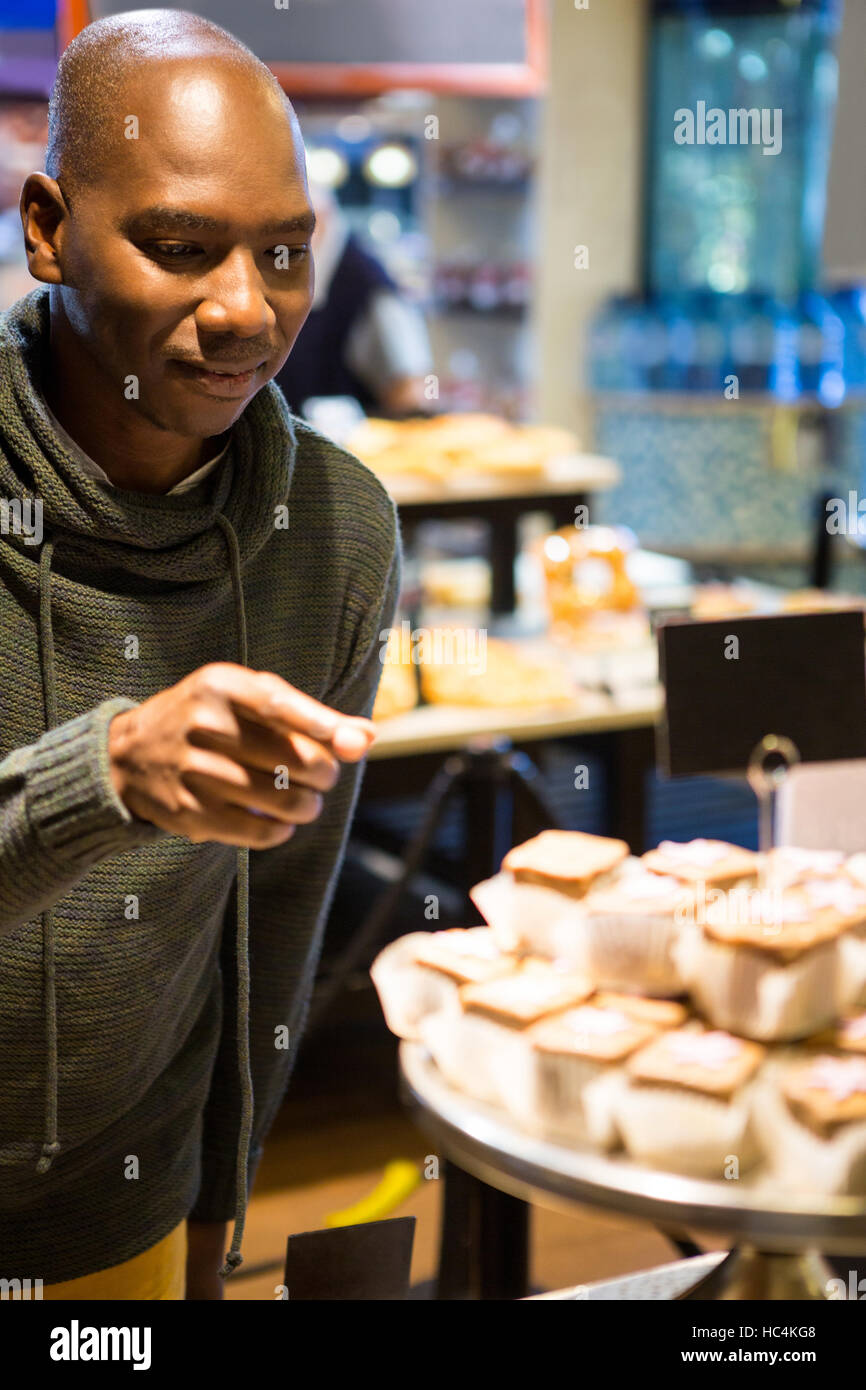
[
  {"x": 534, "y": 904},
  {"x": 702, "y": 861},
  {"x": 420, "y": 973},
  {"x": 811, "y": 1118},
  {"x": 631, "y": 928},
  {"x": 769, "y": 968},
  {"x": 687, "y": 1105},
  {"x": 567, "y": 860},
  {"x": 478, "y": 1041},
  {"x": 702, "y": 1007},
  {"x": 565, "y": 1082}
]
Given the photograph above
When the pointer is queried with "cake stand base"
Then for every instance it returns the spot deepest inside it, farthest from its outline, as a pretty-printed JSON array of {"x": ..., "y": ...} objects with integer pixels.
[{"x": 748, "y": 1274}]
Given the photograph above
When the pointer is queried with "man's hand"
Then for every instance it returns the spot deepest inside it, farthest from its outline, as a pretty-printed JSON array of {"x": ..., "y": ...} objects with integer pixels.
[
  {"x": 205, "y": 1251},
  {"x": 210, "y": 757}
]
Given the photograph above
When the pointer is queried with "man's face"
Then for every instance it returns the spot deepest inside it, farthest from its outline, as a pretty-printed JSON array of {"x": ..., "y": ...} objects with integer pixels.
[{"x": 187, "y": 270}]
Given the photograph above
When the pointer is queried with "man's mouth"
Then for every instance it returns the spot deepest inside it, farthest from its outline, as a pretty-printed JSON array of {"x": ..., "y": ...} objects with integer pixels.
[{"x": 227, "y": 382}]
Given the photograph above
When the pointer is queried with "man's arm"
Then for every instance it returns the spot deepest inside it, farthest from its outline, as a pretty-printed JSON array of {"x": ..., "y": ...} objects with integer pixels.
[
  {"x": 60, "y": 814},
  {"x": 291, "y": 888}
]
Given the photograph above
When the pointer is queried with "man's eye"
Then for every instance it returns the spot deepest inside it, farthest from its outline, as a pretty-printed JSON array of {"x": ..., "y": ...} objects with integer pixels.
[
  {"x": 173, "y": 250},
  {"x": 288, "y": 255}
]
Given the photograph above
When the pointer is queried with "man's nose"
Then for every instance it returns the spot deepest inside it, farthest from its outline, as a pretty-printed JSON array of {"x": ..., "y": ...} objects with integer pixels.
[{"x": 235, "y": 300}]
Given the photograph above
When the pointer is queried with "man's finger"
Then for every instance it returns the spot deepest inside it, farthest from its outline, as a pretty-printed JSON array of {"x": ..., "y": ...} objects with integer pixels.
[{"x": 268, "y": 699}]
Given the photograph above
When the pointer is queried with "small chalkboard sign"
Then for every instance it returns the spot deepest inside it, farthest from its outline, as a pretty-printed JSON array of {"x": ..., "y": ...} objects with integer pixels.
[
  {"x": 369, "y": 1261},
  {"x": 730, "y": 682}
]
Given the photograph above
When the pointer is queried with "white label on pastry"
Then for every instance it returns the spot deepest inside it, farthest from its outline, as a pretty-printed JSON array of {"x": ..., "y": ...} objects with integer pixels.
[
  {"x": 835, "y": 893},
  {"x": 702, "y": 853},
  {"x": 841, "y": 1076},
  {"x": 854, "y": 1029},
  {"x": 818, "y": 861},
  {"x": 595, "y": 1023},
  {"x": 649, "y": 886},
  {"x": 715, "y": 1049}
]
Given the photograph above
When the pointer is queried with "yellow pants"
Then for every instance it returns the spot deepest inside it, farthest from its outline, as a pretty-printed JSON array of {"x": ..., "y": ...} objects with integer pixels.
[{"x": 157, "y": 1273}]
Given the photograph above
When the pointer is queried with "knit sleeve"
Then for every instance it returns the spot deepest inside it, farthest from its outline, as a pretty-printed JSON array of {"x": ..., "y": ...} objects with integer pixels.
[
  {"x": 291, "y": 889},
  {"x": 60, "y": 814}
]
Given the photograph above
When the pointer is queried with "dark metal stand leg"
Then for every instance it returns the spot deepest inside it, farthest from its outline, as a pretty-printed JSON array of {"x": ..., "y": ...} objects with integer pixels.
[
  {"x": 503, "y": 553},
  {"x": 628, "y": 755},
  {"x": 484, "y": 1251}
]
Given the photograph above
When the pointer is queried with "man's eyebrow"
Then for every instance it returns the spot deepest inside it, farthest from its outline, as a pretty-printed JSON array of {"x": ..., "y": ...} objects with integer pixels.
[{"x": 157, "y": 219}]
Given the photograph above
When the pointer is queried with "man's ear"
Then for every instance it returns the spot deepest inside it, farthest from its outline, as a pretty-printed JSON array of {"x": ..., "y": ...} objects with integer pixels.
[{"x": 44, "y": 216}]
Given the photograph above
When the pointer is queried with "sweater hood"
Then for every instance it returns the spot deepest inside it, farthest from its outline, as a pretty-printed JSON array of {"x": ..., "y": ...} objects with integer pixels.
[{"x": 177, "y": 538}]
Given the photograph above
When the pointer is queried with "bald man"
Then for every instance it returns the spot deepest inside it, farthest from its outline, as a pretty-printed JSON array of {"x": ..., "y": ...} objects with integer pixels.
[{"x": 195, "y": 589}]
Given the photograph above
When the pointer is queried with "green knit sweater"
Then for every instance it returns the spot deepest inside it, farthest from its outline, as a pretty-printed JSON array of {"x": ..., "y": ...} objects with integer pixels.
[{"x": 125, "y": 1094}]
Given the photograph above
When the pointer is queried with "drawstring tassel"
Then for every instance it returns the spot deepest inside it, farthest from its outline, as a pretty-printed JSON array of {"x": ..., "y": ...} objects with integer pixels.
[
  {"x": 234, "y": 1258},
  {"x": 51, "y": 1145}
]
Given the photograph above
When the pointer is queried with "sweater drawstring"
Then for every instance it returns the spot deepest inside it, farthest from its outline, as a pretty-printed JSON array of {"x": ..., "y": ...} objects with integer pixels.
[
  {"x": 234, "y": 1256},
  {"x": 51, "y": 1146},
  {"x": 50, "y": 1143}
]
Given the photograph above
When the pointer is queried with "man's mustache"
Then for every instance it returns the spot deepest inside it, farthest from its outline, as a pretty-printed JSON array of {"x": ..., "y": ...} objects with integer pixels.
[{"x": 242, "y": 354}]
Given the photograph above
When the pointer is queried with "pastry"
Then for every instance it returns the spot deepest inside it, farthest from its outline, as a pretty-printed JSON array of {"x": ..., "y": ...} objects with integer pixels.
[
  {"x": 811, "y": 1117},
  {"x": 631, "y": 926},
  {"x": 660, "y": 1013},
  {"x": 787, "y": 865},
  {"x": 530, "y": 918},
  {"x": 419, "y": 973},
  {"x": 564, "y": 1082},
  {"x": 774, "y": 976},
  {"x": 502, "y": 677},
  {"x": 687, "y": 1105},
  {"x": 478, "y": 1041},
  {"x": 567, "y": 860},
  {"x": 702, "y": 861}
]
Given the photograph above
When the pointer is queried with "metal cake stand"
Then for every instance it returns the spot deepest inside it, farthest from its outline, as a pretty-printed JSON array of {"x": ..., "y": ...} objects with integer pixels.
[{"x": 777, "y": 1241}]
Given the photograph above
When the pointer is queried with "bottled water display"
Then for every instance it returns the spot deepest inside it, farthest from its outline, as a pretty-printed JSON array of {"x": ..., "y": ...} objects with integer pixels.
[{"x": 742, "y": 99}]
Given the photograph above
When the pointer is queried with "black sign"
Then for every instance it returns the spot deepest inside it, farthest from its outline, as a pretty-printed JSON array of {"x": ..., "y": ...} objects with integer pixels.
[
  {"x": 730, "y": 682},
  {"x": 368, "y": 1261}
]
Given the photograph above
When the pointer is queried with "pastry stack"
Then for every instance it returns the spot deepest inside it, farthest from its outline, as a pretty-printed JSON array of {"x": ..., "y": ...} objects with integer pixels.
[{"x": 702, "y": 1007}]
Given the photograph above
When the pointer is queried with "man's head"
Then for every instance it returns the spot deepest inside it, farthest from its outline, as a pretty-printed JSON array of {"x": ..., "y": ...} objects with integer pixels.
[{"x": 174, "y": 221}]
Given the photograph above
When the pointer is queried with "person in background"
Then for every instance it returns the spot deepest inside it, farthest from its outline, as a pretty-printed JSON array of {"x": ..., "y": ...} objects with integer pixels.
[{"x": 362, "y": 337}]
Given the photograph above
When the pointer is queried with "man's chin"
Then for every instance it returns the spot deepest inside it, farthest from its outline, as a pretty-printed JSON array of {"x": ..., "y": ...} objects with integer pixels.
[{"x": 197, "y": 419}]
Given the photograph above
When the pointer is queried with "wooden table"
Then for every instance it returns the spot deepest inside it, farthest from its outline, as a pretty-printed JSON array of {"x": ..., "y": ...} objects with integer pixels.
[{"x": 501, "y": 502}]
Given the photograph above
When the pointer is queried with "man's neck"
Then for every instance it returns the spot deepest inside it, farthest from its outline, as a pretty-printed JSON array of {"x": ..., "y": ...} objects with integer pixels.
[{"x": 135, "y": 454}]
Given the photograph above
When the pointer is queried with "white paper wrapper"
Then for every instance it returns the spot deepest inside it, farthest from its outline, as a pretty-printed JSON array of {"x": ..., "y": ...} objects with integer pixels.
[
  {"x": 800, "y": 1160},
  {"x": 565, "y": 1098},
  {"x": 409, "y": 992},
  {"x": 685, "y": 1131},
  {"x": 747, "y": 991},
  {"x": 633, "y": 949},
  {"x": 852, "y": 970},
  {"x": 529, "y": 919},
  {"x": 474, "y": 1053}
]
